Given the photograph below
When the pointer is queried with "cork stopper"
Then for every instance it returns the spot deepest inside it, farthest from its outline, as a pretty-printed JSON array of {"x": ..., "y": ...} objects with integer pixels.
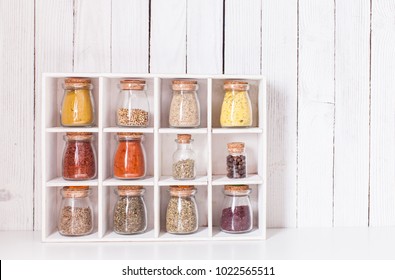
[
  {"x": 237, "y": 189},
  {"x": 75, "y": 191},
  {"x": 130, "y": 190},
  {"x": 182, "y": 190},
  {"x": 79, "y": 135},
  {"x": 132, "y": 84},
  {"x": 190, "y": 85},
  {"x": 235, "y": 147},
  {"x": 236, "y": 85},
  {"x": 184, "y": 138},
  {"x": 77, "y": 82},
  {"x": 123, "y": 135}
]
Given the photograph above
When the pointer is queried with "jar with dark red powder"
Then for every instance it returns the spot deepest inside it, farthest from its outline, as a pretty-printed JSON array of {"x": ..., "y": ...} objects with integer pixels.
[
  {"x": 79, "y": 157},
  {"x": 236, "y": 214}
]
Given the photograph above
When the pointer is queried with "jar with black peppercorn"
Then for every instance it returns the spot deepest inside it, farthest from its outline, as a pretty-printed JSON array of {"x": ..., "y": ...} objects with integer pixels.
[
  {"x": 133, "y": 105},
  {"x": 236, "y": 161},
  {"x": 79, "y": 156},
  {"x": 76, "y": 214},
  {"x": 182, "y": 212},
  {"x": 236, "y": 216},
  {"x": 130, "y": 212}
]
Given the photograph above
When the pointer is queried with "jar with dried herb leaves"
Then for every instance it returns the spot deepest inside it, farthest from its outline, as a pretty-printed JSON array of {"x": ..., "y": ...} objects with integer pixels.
[
  {"x": 130, "y": 213},
  {"x": 79, "y": 156},
  {"x": 184, "y": 157},
  {"x": 184, "y": 106},
  {"x": 77, "y": 105},
  {"x": 236, "y": 216},
  {"x": 182, "y": 212},
  {"x": 129, "y": 158},
  {"x": 133, "y": 105},
  {"x": 76, "y": 214}
]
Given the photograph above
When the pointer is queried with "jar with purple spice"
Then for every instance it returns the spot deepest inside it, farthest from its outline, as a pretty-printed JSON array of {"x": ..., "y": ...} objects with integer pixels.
[
  {"x": 236, "y": 214},
  {"x": 236, "y": 161}
]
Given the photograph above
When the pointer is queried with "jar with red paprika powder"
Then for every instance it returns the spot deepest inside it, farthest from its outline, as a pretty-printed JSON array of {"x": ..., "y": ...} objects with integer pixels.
[
  {"x": 129, "y": 158},
  {"x": 79, "y": 157}
]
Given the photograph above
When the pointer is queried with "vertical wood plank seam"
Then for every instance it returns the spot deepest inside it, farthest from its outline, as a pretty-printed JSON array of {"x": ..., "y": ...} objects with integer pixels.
[
  {"x": 370, "y": 108},
  {"x": 149, "y": 35},
  {"x": 34, "y": 112},
  {"x": 223, "y": 36},
  {"x": 334, "y": 113},
  {"x": 186, "y": 36},
  {"x": 74, "y": 26},
  {"x": 111, "y": 36},
  {"x": 297, "y": 112},
  {"x": 261, "y": 55}
]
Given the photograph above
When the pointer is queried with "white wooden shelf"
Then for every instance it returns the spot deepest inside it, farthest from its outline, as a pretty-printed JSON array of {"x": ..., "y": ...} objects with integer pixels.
[
  {"x": 147, "y": 181},
  {"x": 127, "y": 129},
  {"x": 251, "y": 179},
  {"x": 159, "y": 142},
  {"x": 60, "y": 182},
  {"x": 169, "y": 181},
  {"x": 72, "y": 129},
  {"x": 183, "y": 130}
]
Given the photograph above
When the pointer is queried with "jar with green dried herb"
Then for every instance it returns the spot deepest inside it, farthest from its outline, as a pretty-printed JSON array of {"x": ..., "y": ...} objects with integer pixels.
[
  {"x": 76, "y": 214},
  {"x": 130, "y": 212},
  {"x": 184, "y": 157},
  {"x": 182, "y": 212}
]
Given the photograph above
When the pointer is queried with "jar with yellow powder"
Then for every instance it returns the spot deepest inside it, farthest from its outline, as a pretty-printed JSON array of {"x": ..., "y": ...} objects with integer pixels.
[
  {"x": 77, "y": 105},
  {"x": 236, "y": 107}
]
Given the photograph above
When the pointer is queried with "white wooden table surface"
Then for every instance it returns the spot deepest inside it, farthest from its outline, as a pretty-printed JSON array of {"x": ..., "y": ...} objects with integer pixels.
[{"x": 318, "y": 243}]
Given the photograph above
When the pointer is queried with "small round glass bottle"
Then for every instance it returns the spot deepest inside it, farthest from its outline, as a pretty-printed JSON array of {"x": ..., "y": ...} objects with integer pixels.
[
  {"x": 184, "y": 107},
  {"x": 182, "y": 212},
  {"x": 236, "y": 161},
  {"x": 129, "y": 158},
  {"x": 236, "y": 216},
  {"x": 77, "y": 107},
  {"x": 236, "y": 108},
  {"x": 184, "y": 167},
  {"x": 133, "y": 104},
  {"x": 79, "y": 157},
  {"x": 130, "y": 212},
  {"x": 76, "y": 214}
]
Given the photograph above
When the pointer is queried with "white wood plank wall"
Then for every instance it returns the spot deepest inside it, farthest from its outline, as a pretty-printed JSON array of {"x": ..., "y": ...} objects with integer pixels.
[{"x": 329, "y": 66}]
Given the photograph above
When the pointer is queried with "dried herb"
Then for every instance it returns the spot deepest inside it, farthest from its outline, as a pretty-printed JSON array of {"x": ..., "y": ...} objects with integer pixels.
[
  {"x": 75, "y": 221},
  {"x": 184, "y": 169},
  {"x": 134, "y": 117},
  {"x": 181, "y": 215},
  {"x": 129, "y": 215}
]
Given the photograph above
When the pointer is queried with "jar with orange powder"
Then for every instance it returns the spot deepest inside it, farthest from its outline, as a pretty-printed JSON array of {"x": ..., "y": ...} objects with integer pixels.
[{"x": 129, "y": 159}]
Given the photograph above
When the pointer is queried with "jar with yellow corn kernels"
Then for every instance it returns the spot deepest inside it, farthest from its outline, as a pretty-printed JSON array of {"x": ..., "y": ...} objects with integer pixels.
[{"x": 236, "y": 107}]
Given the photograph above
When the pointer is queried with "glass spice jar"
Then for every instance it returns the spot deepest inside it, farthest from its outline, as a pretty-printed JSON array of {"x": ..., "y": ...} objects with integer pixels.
[
  {"x": 76, "y": 214},
  {"x": 236, "y": 108},
  {"x": 184, "y": 107},
  {"x": 182, "y": 212},
  {"x": 79, "y": 157},
  {"x": 184, "y": 157},
  {"x": 77, "y": 107},
  {"x": 129, "y": 158},
  {"x": 133, "y": 105},
  {"x": 130, "y": 212},
  {"x": 236, "y": 161},
  {"x": 236, "y": 214}
]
